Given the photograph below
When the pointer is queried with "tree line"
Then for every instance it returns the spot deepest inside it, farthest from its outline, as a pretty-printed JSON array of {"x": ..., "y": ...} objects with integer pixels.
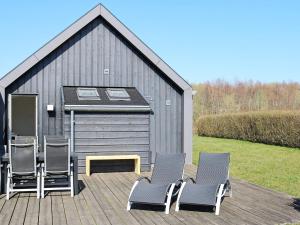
[{"x": 221, "y": 97}]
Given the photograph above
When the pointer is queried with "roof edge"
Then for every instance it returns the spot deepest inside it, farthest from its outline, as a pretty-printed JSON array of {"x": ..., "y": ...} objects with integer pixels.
[
  {"x": 111, "y": 108},
  {"x": 51, "y": 45},
  {"x": 59, "y": 39},
  {"x": 143, "y": 48}
]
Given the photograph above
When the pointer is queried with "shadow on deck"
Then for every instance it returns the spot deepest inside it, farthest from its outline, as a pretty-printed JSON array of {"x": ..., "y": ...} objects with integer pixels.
[{"x": 104, "y": 196}]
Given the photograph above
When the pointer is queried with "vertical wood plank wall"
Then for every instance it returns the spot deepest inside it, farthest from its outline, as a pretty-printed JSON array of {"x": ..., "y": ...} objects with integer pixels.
[
  {"x": 106, "y": 133},
  {"x": 81, "y": 61}
]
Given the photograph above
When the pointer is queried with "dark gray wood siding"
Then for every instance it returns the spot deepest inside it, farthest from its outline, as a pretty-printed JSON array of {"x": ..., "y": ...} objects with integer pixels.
[
  {"x": 81, "y": 61},
  {"x": 106, "y": 133}
]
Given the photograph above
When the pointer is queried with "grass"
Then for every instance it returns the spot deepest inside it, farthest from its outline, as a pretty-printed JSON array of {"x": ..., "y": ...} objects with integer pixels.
[{"x": 274, "y": 167}]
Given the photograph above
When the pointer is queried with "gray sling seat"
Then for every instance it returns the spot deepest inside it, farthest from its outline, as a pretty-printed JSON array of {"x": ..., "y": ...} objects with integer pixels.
[
  {"x": 22, "y": 171},
  {"x": 166, "y": 176},
  {"x": 211, "y": 184},
  {"x": 57, "y": 169}
]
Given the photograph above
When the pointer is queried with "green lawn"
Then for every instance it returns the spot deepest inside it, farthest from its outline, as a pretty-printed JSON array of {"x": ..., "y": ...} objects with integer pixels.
[{"x": 274, "y": 167}]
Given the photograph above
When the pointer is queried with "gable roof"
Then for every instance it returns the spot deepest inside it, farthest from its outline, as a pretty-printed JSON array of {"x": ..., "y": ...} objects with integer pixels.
[{"x": 99, "y": 10}]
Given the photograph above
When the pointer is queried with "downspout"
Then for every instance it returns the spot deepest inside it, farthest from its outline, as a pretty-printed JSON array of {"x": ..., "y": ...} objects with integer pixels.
[{"x": 72, "y": 131}]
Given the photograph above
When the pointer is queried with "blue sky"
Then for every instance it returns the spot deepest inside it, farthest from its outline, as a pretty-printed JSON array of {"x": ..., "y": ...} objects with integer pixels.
[{"x": 202, "y": 40}]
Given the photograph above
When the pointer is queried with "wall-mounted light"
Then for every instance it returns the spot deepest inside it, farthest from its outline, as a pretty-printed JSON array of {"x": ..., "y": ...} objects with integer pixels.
[{"x": 50, "y": 108}]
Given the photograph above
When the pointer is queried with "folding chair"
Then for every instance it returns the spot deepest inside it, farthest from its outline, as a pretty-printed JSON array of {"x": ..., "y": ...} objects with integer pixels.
[
  {"x": 22, "y": 171},
  {"x": 166, "y": 176},
  {"x": 57, "y": 169},
  {"x": 211, "y": 184}
]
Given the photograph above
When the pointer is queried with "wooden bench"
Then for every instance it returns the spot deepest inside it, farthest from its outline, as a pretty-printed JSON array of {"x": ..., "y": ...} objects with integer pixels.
[{"x": 136, "y": 158}]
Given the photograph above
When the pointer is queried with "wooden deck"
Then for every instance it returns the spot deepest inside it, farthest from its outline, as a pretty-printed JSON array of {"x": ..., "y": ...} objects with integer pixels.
[{"x": 104, "y": 197}]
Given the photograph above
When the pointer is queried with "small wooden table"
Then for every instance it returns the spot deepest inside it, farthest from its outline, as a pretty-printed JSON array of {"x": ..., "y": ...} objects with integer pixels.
[{"x": 136, "y": 158}]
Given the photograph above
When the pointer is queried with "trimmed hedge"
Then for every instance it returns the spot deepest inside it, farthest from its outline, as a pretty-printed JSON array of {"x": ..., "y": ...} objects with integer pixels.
[{"x": 272, "y": 127}]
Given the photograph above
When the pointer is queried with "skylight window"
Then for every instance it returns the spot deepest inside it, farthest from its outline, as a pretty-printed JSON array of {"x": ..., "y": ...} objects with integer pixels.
[
  {"x": 88, "y": 94},
  {"x": 117, "y": 94}
]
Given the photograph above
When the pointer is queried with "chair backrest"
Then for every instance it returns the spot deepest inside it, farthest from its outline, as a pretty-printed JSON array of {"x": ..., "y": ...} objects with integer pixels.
[
  {"x": 56, "y": 154},
  {"x": 22, "y": 155},
  {"x": 213, "y": 168},
  {"x": 168, "y": 168}
]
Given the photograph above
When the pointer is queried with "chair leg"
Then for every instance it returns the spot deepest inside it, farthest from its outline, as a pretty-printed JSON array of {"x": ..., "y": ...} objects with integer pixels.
[
  {"x": 133, "y": 187},
  {"x": 72, "y": 184},
  {"x": 219, "y": 197},
  {"x": 128, "y": 205},
  {"x": 178, "y": 198},
  {"x": 38, "y": 185},
  {"x": 177, "y": 206},
  {"x": 43, "y": 185},
  {"x": 230, "y": 193},
  {"x": 7, "y": 187},
  {"x": 230, "y": 190},
  {"x": 170, "y": 193}
]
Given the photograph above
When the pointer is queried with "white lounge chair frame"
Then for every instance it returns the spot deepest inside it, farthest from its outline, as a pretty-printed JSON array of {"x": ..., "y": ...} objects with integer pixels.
[
  {"x": 223, "y": 188},
  {"x": 169, "y": 195}
]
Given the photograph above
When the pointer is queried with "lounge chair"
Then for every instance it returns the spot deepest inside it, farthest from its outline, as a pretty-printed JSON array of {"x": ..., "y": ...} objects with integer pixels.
[
  {"x": 22, "y": 171},
  {"x": 166, "y": 176},
  {"x": 211, "y": 184},
  {"x": 57, "y": 170}
]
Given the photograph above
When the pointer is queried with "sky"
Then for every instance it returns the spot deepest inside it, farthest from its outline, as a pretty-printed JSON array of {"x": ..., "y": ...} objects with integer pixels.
[{"x": 239, "y": 40}]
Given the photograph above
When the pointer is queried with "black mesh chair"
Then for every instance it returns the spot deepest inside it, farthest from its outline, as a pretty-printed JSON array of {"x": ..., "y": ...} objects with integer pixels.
[
  {"x": 22, "y": 171},
  {"x": 57, "y": 170},
  {"x": 166, "y": 176},
  {"x": 211, "y": 184}
]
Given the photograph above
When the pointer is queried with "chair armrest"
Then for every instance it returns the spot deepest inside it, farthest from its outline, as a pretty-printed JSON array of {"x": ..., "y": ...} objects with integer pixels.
[
  {"x": 42, "y": 168},
  {"x": 227, "y": 184},
  {"x": 144, "y": 178},
  {"x": 189, "y": 179},
  {"x": 38, "y": 165},
  {"x": 222, "y": 189},
  {"x": 8, "y": 172},
  {"x": 178, "y": 182}
]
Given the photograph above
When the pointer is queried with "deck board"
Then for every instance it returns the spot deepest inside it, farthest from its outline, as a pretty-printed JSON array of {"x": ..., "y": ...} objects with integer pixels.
[
  {"x": 18, "y": 217},
  {"x": 93, "y": 206},
  {"x": 45, "y": 213},
  {"x": 72, "y": 214},
  {"x": 104, "y": 197},
  {"x": 33, "y": 208},
  {"x": 58, "y": 210},
  {"x": 8, "y": 210},
  {"x": 123, "y": 190}
]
